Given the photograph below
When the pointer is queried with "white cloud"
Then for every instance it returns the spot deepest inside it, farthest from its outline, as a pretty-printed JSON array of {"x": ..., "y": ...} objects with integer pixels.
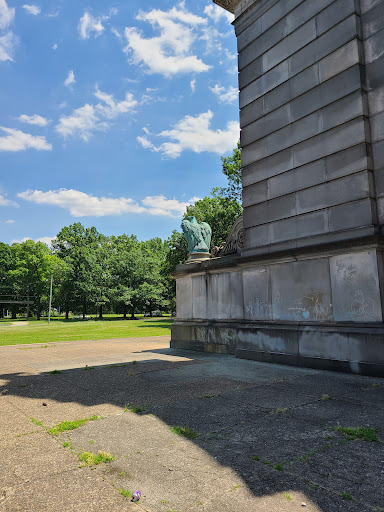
[
  {"x": 16, "y": 140},
  {"x": 45, "y": 239},
  {"x": 89, "y": 24},
  {"x": 7, "y": 15},
  {"x": 160, "y": 205},
  {"x": 6, "y": 202},
  {"x": 194, "y": 133},
  {"x": 54, "y": 47},
  {"x": 169, "y": 53},
  {"x": 89, "y": 118},
  {"x": 32, "y": 9},
  {"x": 192, "y": 83},
  {"x": 7, "y": 38},
  {"x": 70, "y": 78},
  {"x": 80, "y": 204},
  {"x": 10, "y": 221},
  {"x": 35, "y": 119},
  {"x": 111, "y": 108},
  {"x": 7, "y": 46},
  {"x": 216, "y": 13},
  {"x": 225, "y": 95}
]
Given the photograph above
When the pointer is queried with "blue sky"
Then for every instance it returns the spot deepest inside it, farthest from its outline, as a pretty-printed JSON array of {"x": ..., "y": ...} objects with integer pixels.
[{"x": 112, "y": 114}]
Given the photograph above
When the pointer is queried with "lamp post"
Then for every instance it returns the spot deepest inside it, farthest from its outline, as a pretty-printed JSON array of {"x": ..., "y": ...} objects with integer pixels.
[{"x": 50, "y": 301}]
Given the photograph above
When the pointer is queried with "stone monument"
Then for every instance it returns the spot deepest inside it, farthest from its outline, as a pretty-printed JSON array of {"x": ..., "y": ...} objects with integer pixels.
[{"x": 307, "y": 287}]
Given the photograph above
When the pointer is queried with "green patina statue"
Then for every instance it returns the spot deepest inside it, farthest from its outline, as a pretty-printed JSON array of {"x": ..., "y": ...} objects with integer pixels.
[{"x": 198, "y": 235}]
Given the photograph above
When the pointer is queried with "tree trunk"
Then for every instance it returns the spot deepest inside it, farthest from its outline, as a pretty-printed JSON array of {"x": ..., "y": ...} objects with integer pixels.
[
  {"x": 67, "y": 314},
  {"x": 125, "y": 311},
  {"x": 84, "y": 307},
  {"x": 101, "y": 312},
  {"x": 38, "y": 312},
  {"x": 13, "y": 313},
  {"x": 132, "y": 314}
]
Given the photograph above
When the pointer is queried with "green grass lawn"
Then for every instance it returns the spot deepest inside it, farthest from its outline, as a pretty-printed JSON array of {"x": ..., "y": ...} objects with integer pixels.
[{"x": 71, "y": 330}]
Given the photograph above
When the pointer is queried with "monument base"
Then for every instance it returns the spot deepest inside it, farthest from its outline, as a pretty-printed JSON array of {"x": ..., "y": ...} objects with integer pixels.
[
  {"x": 319, "y": 309},
  {"x": 348, "y": 348}
]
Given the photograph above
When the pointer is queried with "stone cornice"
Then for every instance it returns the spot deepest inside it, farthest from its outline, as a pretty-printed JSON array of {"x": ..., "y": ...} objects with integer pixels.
[{"x": 229, "y": 5}]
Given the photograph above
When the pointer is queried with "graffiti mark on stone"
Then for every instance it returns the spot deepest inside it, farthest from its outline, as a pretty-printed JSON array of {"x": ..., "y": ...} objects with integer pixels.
[
  {"x": 309, "y": 307},
  {"x": 362, "y": 308}
]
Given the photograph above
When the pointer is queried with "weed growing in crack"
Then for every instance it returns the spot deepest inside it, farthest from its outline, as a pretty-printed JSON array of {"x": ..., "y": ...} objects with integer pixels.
[
  {"x": 36, "y": 422},
  {"x": 92, "y": 459},
  {"x": 185, "y": 431},
  {"x": 64, "y": 426},
  {"x": 363, "y": 433},
  {"x": 135, "y": 409},
  {"x": 346, "y": 495},
  {"x": 55, "y": 372},
  {"x": 126, "y": 493},
  {"x": 326, "y": 397}
]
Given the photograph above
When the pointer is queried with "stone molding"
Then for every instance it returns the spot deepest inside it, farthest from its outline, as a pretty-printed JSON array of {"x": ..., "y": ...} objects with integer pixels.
[
  {"x": 235, "y": 240},
  {"x": 228, "y": 5}
]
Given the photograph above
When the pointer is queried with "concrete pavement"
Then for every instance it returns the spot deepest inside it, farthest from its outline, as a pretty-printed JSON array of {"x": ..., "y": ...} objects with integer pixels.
[{"x": 265, "y": 434}]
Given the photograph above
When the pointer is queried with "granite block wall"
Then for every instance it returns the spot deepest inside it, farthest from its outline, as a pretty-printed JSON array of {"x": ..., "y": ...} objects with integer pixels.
[{"x": 311, "y": 112}]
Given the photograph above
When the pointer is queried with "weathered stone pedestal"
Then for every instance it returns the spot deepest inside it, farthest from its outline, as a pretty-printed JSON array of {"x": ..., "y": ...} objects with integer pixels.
[{"x": 307, "y": 288}]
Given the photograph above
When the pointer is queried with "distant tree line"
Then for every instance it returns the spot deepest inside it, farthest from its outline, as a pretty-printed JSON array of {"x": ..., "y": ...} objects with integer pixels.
[{"x": 120, "y": 274}]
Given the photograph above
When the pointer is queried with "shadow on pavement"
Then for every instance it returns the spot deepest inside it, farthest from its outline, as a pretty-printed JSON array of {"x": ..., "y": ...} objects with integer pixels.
[{"x": 272, "y": 425}]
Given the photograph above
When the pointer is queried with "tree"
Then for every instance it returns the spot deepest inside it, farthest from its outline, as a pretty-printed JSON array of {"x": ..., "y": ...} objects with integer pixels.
[
  {"x": 32, "y": 265},
  {"x": 86, "y": 252},
  {"x": 231, "y": 167}
]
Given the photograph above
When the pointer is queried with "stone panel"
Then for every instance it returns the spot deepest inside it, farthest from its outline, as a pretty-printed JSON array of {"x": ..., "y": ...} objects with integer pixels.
[
  {"x": 219, "y": 296},
  {"x": 298, "y": 227},
  {"x": 297, "y": 179},
  {"x": 236, "y": 284},
  {"x": 374, "y": 47},
  {"x": 332, "y": 141},
  {"x": 352, "y": 215},
  {"x": 373, "y": 21},
  {"x": 355, "y": 287},
  {"x": 257, "y": 295},
  {"x": 347, "y": 162},
  {"x": 274, "y": 209},
  {"x": 301, "y": 291},
  {"x": 184, "y": 297},
  {"x": 199, "y": 297},
  {"x": 344, "y": 189},
  {"x": 323, "y": 45},
  {"x": 275, "y": 164}
]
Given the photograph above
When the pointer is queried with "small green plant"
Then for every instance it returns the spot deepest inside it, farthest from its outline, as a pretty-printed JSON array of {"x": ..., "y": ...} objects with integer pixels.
[
  {"x": 126, "y": 493},
  {"x": 346, "y": 495},
  {"x": 123, "y": 473},
  {"x": 326, "y": 397},
  {"x": 185, "y": 431},
  {"x": 54, "y": 372},
  {"x": 88, "y": 367},
  {"x": 287, "y": 496},
  {"x": 280, "y": 410},
  {"x": 67, "y": 444},
  {"x": 134, "y": 409},
  {"x": 36, "y": 422},
  {"x": 237, "y": 486},
  {"x": 131, "y": 374},
  {"x": 375, "y": 385},
  {"x": 363, "y": 433},
  {"x": 64, "y": 426},
  {"x": 134, "y": 362},
  {"x": 92, "y": 459},
  {"x": 163, "y": 502},
  {"x": 255, "y": 457},
  {"x": 279, "y": 467},
  {"x": 314, "y": 486},
  {"x": 209, "y": 395}
]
